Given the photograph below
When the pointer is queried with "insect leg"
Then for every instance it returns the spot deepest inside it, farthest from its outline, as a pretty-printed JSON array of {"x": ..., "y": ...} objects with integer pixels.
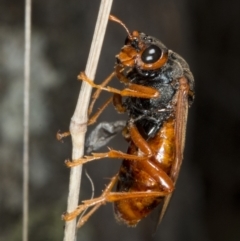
[
  {"x": 110, "y": 154},
  {"x": 149, "y": 166},
  {"x": 107, "y": 196},
  {"x": 96, "y": 202},
  {"x": 119, "y": 73},
  {"x": 113, "y": 197},
  {"x": 93, "y": 119},
  {"x": 140, "y": 91},
  {"x": 84, "y": 219},
  {"x": 138, "y": 140},
  {"x": 136, "y": 137},
  {"x": 117, "y": 102},
  {"x": 98, "y": 91},
  {"x": 61, "y": 135},
  {"x": 116, "y": 196},
  {"x": 133, "y": 90}
]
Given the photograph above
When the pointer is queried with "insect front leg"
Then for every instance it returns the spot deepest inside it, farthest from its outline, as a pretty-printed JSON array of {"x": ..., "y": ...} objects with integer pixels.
[
  {"x": 120, "y": 75},
  {"x": 95, "y": 96},
  {"x": 133, "y": 90}
]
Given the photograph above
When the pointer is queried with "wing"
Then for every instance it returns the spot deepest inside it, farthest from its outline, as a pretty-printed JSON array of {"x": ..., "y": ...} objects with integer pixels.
[{"x": 181, "y": 114}]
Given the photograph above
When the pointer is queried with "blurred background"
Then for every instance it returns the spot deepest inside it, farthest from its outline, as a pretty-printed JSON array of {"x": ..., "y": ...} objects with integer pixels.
[{"x": 206, "y": 202}]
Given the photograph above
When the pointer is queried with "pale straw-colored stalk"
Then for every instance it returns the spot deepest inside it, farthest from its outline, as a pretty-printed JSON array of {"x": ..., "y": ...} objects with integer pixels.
[
  {"x": 78, "y": 125},
  {"x": 27, "y": 68}
]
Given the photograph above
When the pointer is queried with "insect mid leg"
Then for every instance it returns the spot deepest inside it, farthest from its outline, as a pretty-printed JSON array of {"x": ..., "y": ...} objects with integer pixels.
[
  {"x": 94, "y": 118},
  {"x": 110, "y": 154},
  {"x": 138, "y": 140},
  {"x": 117, "y": 102},
  {"x": 61, "y": 135},
  {"x": 136, "y": 137},
  {"x": 98, "y": 91}
]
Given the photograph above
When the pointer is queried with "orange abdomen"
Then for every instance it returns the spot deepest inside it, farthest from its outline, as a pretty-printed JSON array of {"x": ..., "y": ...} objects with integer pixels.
[{"x": 135, "y": 176}]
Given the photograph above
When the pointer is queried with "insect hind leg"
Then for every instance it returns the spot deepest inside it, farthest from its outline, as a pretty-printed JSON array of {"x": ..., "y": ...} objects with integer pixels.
[
  {"x": 95, "y": 202},
  {"x": 107, "y": 196}
]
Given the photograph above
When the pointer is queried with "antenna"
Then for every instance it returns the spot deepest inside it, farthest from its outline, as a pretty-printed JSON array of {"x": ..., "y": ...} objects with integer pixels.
[{"x": 115, "y": 19}]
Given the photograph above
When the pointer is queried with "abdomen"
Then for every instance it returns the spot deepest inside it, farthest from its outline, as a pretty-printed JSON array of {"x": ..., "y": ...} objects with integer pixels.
[{"x": 133, "y": 177}]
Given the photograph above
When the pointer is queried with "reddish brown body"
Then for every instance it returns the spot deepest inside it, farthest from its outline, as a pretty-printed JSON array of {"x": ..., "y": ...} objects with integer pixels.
[
  {"x": 159, "y": 90},
  {"x": 135, "y": 176}
]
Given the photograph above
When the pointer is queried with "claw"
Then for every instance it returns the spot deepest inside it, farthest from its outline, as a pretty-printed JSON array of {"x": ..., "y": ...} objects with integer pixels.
[
  {"x": 70, "y": 216},
  {"x": 85, "y": 159},
  {"x": 60, "y": 135}
]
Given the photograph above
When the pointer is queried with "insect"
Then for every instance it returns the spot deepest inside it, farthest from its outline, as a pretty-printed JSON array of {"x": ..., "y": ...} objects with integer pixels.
[{"x": 159, "y": 89}]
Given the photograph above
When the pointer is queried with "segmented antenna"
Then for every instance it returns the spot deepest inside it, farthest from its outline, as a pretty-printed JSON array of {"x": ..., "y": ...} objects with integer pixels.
[{"x": 115, "y": 19}]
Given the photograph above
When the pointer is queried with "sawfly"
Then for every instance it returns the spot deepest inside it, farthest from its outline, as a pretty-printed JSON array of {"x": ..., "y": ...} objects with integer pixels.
[{"x": 159, "y": 89}]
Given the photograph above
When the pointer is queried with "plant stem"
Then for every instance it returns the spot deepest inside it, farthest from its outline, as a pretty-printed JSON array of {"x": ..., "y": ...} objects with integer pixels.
[
  {"x": 26, "y": 104},
  {"x": 78, "y": 125}
]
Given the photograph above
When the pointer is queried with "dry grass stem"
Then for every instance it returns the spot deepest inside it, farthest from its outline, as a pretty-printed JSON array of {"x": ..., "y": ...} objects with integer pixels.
[
  {"x": 78, "y": 125},
  {"x": 27, "y": 67}
]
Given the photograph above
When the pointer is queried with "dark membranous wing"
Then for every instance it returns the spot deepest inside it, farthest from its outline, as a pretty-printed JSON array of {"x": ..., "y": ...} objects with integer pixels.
[{"x": 182, "y": 97}]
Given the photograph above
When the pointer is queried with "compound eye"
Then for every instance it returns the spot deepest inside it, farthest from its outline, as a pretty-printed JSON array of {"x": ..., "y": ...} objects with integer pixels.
[{"x": 151, "y": 54}]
